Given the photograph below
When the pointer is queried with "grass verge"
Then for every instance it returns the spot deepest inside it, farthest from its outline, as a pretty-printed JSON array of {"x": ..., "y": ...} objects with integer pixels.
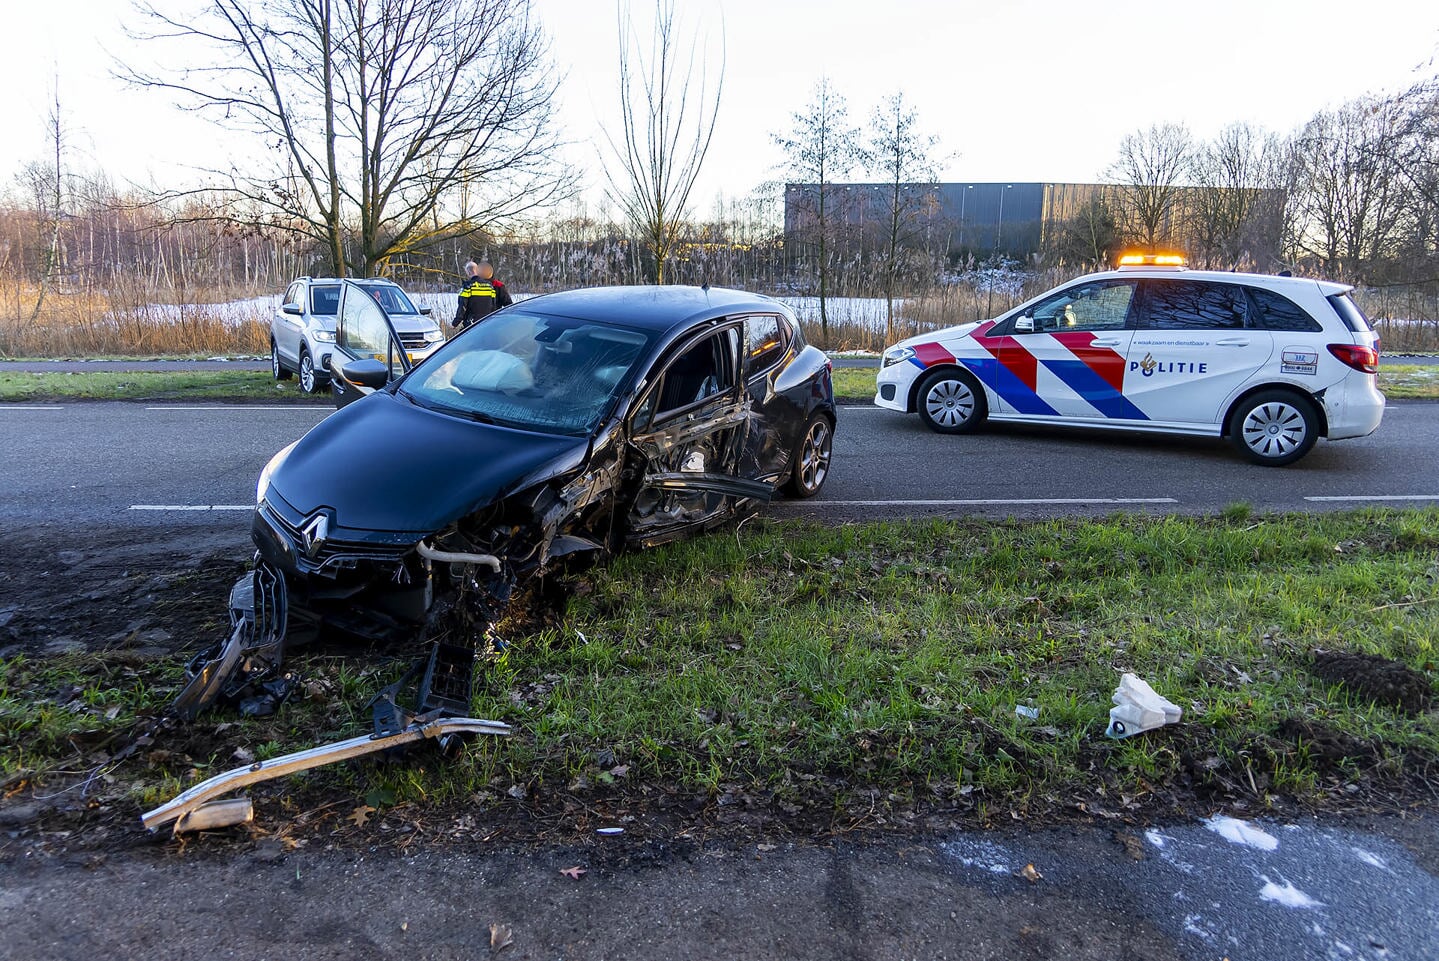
[
  {"x": 1406, "y": 381},
  {"x": 825, "y": 678},
  {"x": 1410, "y": 381},
  {"x": 150, "y": 385}
]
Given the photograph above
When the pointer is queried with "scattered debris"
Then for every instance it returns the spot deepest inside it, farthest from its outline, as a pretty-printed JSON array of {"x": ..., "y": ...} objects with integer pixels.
[
  {"x": 1375, "y": 678},
  {"x": 1138, "y": 708},
  {"x": 201, "y": 796},
  {"x": 1029, "y": 874},
  {"x": 360, "y": 816},
  {"x": 609, "y": 832},
  {"x": 574, "y": 873},
  {"x": 1025, "y": 711}
]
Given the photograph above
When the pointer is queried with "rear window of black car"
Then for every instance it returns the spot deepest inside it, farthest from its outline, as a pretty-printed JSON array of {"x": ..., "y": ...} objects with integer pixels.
[{"x": 1271, "y": 311}]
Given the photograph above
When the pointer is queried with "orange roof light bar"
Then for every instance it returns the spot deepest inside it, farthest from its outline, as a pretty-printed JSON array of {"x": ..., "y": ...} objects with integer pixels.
[{"x": 1153, "y": 260}]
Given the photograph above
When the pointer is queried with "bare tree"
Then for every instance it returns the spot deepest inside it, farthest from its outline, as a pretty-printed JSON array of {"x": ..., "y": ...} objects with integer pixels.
[
  {"x": 1091, "y": 236},
  {"x": 386, "y": 118},
  {"x": 900, "y": 154},
  {"x": 1150, "y": 165},
  {"x": 46, "y": 180},
  {"x": 1351, "y": 196},
  {"x": 1237, "y": 183},
  {"x": 820, "y": 147},
  {"x": 668, "y": 123}
]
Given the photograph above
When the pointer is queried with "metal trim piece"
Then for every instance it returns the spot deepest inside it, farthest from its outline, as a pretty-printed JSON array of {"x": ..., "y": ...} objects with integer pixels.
[{"x": 208, "y": 790}]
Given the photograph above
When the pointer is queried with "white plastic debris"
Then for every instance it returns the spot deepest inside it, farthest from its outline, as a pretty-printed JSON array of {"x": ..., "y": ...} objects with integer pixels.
[{"x": 1138, "y": 708}]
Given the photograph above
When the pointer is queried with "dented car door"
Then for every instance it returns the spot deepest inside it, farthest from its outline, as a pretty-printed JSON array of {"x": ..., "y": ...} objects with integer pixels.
[{"x": 687, "y": 436}]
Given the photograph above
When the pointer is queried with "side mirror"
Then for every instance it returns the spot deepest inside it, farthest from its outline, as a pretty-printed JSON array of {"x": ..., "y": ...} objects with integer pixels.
[
  {"x": 1024, "y": 325},
  {"x": 367, "y": 373},
  {"x": 427, "y": 310},
  {"x": 294, "y": 309}
]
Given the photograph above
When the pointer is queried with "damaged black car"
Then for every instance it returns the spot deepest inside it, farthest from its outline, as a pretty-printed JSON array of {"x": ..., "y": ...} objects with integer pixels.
[{"x": 565, "y": 427}]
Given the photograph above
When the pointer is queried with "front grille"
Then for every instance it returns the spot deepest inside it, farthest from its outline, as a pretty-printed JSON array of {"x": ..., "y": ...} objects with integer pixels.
[
  {"x": 335, "y": 554},
  {"x": 413, "y": 341}
]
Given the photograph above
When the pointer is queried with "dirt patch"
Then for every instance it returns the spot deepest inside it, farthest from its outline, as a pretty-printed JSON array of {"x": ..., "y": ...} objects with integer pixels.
[
  {"x": 1375, "y": 678},
  {"x": 110, "y": 591}
]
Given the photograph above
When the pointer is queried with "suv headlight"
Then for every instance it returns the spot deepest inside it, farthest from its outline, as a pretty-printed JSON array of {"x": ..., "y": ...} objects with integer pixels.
[
  {"x": 897, "y": 355},
  {"x": 434, "y": 336},
  {"x": 323, "y": 336}
]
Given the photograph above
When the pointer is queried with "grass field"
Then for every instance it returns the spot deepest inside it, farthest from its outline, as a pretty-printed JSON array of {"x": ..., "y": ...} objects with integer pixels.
[{"x": 836, "y": 676}]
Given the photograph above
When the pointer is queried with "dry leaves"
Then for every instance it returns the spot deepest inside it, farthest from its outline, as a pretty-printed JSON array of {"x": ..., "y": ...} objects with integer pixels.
[
  {"x": 575, "y": 872},
  {"x": 360, "y": 816},
  {"x": 500, "y": 936},
  {"x": 1030, "y": 874}
]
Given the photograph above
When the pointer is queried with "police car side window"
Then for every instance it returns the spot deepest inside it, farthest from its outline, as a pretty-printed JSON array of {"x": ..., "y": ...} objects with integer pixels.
[
  {"x": 1193, "y": 305},
  {"x": 1271, "y": 311},
  {"x": 1097, "y": 306}
]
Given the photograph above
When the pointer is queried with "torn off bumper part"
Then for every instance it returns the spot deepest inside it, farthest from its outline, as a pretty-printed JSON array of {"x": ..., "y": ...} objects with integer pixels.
[{"x": 198, "y": 809}]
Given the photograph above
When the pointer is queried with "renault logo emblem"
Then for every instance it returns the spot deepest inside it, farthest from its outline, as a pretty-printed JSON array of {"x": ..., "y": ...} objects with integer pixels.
[{"x": 315, "y": 532}]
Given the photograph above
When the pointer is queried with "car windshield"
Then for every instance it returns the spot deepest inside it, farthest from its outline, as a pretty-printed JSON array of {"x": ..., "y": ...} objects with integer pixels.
[
  {"x": 551, "y": 374},
  {"x": 391, "y": 298}
]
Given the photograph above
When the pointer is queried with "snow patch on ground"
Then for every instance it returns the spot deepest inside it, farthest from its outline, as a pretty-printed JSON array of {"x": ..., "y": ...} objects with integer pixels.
[
  {"x": 984, "y": 855},
  {"x": 1373, "y": 860},
  {"x": 1242, "y": 832},
  {"x": 1287, "y": 895}
]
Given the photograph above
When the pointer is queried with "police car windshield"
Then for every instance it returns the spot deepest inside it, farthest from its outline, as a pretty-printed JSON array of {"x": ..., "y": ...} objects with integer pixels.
[{"x": 555, "y": 375}]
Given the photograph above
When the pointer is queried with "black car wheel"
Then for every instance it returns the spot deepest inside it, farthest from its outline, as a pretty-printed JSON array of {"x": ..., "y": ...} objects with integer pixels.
[
  {"x": 309, "y": 380},
  {"x": 277, "y": 368},
  {"x": 810, "y": 464},
  {"x": 1274, "y": 427},
  {"x": 950, "y": 401}
]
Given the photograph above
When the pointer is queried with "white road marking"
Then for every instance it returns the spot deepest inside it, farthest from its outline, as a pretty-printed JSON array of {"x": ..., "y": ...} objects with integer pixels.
[
  {"x": 29, "y": 407},
  {"x": 865, "y": 407},
  {"x": 323, "y": 410},
  {"x": 192, "y": 507},
  {"x": 1377, "y": 497},
  {"x": 997, "y": 502}
]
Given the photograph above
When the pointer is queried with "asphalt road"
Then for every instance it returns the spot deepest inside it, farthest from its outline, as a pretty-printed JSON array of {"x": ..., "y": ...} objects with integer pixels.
[{"x": 196, "y": 465}]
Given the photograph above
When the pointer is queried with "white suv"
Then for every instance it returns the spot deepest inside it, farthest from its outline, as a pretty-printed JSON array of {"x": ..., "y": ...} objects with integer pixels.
[
  {"x": 1271, "y": 362},
  {"x": 302, "y": 332}
]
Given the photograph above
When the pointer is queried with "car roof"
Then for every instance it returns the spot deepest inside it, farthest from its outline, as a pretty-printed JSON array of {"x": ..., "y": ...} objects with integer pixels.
[
  {"x": 1270, "y": 281},
  {"x": 363, "y": 281},
  {"x": 657, "y": 308}
]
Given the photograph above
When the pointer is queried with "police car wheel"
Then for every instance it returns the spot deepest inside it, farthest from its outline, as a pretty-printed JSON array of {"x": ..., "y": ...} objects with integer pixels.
[
  {"x": 950, "y": 401},
  {"x": 1274, "y": 427},
  {"x": 277, "y": 369}
]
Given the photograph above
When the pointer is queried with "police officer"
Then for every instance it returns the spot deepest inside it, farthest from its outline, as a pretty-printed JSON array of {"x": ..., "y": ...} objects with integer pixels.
[{"x": 481, "y": 294}]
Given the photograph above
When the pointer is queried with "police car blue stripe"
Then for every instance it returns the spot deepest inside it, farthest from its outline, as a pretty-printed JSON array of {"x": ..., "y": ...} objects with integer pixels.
[
  {"x": 1095, "y": 390},
  {"x": 1010, "y": 388}
]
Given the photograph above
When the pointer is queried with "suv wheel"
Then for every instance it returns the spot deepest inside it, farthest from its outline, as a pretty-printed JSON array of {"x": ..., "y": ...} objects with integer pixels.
[
  {"x": 309, "y": 380},
  {"x": 950, "y": 401},
  {"x": 277, "y": 368},
  {"x": 1274, "y": 427}
]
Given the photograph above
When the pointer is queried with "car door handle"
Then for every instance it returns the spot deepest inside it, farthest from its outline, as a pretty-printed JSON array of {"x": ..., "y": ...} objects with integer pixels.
[
  {"x": 1233, "y": 342},
  {"x": 1106, "y": 342}
]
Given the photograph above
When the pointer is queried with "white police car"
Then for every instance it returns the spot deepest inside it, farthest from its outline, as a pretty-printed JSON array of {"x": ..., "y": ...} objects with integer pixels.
[{"x": 1271, "y": 362}]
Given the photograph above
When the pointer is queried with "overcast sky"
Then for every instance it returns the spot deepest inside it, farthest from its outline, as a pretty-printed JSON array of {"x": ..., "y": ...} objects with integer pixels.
[{"x": 1016, "y": 90}]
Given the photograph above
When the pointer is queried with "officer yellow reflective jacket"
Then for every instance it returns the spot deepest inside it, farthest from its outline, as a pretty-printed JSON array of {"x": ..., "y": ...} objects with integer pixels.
[{"x": 477, "y": 299}]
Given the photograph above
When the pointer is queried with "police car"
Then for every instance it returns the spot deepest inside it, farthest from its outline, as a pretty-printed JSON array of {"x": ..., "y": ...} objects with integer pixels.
[{"x": 1271, "y": 362}]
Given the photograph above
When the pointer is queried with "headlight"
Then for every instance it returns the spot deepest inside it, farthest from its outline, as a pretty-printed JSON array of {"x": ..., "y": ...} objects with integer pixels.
[
  {"x": 434, "y": 336},
  {"x": 897, "y": 355},
  {"x": 264, "y": 485},
  {"x": 323, "y": 336}
]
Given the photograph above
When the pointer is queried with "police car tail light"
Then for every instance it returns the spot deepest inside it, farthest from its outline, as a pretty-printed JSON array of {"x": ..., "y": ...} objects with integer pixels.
[{"x": 1365, "y": 359}]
